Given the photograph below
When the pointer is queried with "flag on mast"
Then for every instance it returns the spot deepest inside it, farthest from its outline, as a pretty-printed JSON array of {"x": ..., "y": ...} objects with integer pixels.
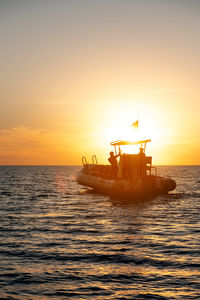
[{"x": 135, "y": 124}]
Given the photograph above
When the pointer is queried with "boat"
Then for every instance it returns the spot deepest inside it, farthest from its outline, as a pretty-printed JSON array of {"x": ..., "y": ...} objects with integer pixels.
[{"x": 136, "y": 177}]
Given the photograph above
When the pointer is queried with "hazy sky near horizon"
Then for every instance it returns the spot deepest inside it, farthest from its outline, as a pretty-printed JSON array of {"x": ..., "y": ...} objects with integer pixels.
[{"x": 75, "y": 74}]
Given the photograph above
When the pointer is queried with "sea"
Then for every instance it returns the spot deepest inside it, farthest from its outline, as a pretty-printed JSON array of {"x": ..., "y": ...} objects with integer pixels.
[{"x": 60, "y": 241}]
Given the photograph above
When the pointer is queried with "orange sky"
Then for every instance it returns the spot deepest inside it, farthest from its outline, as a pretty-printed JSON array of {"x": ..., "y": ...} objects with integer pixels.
[{"x": 76, "y": 74}]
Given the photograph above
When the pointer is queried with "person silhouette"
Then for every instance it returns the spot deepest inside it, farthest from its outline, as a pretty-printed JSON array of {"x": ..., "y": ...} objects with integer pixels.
[
  {"x": 142, "y": 168},
  {"x": 113, "y": 161},
  {"x": 141, "y": 153}
]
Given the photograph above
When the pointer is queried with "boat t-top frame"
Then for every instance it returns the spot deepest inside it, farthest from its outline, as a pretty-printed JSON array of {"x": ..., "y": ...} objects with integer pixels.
[
  {"x": 117, "y": 144},
  {"x": 128, "y": 143}
]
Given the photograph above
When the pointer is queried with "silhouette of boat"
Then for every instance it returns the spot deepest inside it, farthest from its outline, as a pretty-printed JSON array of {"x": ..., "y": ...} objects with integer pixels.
[{"x": 135, "y": 177}]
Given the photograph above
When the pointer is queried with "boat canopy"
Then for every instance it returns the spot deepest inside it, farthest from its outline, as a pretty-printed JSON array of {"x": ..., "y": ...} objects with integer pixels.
[{"x": 127, "y": 143}]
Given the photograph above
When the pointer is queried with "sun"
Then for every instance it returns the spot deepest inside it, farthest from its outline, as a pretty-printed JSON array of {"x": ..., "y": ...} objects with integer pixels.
[
  {"x": 122, "y": 129},
  {"x": 119, "y": 118},
  {"x": 115, "y": 124}
]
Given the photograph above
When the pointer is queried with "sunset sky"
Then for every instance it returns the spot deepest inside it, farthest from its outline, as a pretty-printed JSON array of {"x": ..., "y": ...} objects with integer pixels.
[{"x": 74, "y": 76}]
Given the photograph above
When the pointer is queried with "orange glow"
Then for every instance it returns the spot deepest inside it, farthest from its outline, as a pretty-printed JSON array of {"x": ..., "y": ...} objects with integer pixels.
[
  {"x": 119, "y": 126},
  {"x": 72, "y": 84}
]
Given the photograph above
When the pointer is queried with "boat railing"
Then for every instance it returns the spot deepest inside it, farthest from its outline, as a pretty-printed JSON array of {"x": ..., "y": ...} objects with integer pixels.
[
  {"x": 94, "y": 160},
  {"x": 155, "y": 170},
  {"x": 84, "y": 161}
]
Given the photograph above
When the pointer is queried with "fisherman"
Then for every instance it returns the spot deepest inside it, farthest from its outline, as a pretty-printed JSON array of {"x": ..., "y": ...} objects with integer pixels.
[
  {"x": 142, "y": 166},
  {"x": 113, "y": 161},
  {"x": 141, "y": 153}
]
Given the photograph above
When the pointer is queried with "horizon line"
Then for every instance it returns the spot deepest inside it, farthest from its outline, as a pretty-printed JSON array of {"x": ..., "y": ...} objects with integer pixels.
[{"x": 63, "y": 165}]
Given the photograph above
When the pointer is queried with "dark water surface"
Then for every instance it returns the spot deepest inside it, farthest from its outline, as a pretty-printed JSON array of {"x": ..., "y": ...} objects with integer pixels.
[{"x": 59, "y": 244}]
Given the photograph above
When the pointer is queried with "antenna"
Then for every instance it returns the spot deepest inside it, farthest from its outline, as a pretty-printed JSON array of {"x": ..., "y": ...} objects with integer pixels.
[{"x": 138, "y": 115}]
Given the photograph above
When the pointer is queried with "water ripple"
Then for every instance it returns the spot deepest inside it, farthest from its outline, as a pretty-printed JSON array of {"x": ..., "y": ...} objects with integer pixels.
[{"x": 59, "y": 241}]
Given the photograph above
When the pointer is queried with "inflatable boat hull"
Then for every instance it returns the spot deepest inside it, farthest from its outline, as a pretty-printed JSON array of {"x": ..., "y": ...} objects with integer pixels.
[{"x": 151, "y": 185}]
